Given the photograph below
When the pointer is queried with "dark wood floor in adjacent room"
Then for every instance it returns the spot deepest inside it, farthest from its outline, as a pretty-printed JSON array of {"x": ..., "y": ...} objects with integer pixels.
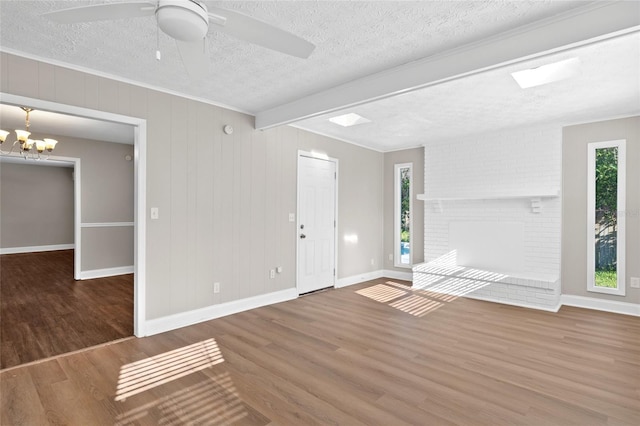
[
  {"x": 45, "y": 312},
  {"x": 377, "y": 353}
]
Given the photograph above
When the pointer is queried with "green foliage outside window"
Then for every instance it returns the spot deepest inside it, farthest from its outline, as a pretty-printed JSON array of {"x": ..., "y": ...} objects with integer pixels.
[
  {"x": 405, "y": 197},
  {"x": 606, "y": 217}
]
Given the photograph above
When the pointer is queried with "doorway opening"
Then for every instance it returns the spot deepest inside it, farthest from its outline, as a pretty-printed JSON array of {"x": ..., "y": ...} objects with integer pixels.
[{"x": 136, "y": 228}]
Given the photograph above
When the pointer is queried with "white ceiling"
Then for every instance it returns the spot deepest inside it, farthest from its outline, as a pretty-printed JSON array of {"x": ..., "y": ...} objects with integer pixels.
[{"x": 354, "y": 40}]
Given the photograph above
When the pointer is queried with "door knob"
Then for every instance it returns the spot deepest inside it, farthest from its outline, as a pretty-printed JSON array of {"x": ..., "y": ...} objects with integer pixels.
[{"x": 302, "y": 236}]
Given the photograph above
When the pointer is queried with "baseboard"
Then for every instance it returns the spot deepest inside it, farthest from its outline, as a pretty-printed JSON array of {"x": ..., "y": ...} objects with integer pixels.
[
  {"x": 606, "y": 305},
  {"x": 107, "y": 272},
  {"x": 360, "y": 278},
  {"x": 35, "y": 249},
  {"x": 397, "y": 275},
  {"x": 171, "y": 322},
  {"x": 374, "y": 275},
  {"x": 514, "y": 303}
]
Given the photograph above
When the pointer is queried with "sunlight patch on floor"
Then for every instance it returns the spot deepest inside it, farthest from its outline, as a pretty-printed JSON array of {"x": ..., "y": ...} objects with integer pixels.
[
  {"x": 416, "y": 305},
  {"x": 382, "y": 293},
  {"x": 403, "y": 298},
  {"x": 150, "y": 372},
  {"x": 211, "y": 401}
]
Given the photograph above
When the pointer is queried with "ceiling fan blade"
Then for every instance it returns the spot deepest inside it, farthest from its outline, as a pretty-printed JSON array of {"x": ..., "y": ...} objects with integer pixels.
[
  {"x": 195, "y": 58},
  {"x": 257, "y": 32},
  {"x": 102, "y": 12}
]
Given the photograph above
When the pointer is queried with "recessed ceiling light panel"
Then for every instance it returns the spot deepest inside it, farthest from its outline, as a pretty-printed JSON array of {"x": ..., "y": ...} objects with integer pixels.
[
  {"x": 348, "y": 120},
  {"x": 547, "y": 73}
]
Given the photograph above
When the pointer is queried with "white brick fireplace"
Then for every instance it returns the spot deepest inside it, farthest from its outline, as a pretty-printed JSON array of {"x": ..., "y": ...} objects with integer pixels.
[{"x": 492, "y": 217}]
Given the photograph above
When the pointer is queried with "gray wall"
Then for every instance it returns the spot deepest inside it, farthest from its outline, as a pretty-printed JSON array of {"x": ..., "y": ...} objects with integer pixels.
[
  {"x": 106, "y": 177},
  {"x": 574, "y": 203},
  {"x": 415, "y": 156},
  {"x": 107, "y": 187},
  {"x": 223, "y": 200},
  {"x": 36, "y": 205}
]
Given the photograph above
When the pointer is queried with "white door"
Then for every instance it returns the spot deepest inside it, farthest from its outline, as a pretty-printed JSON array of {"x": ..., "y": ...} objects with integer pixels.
[{"x": 316, "y": 223}]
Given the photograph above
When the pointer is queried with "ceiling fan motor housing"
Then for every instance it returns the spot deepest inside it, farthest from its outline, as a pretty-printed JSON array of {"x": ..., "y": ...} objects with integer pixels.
[{"x": 183, "y": 20}]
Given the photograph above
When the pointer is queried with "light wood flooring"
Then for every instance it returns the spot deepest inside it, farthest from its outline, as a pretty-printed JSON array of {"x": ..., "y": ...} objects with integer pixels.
[
  {"x": 375, "y": 353},
  {"x": 45, "y": 312}
]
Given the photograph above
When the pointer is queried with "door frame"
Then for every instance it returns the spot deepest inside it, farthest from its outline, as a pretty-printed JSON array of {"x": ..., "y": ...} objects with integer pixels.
[
  {"x": 324, "y": 157},
  {"x": 140, "y": 191}
]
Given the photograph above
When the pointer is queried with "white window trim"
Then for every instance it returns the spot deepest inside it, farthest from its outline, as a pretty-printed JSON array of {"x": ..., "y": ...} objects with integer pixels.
[
  {"x": 591, "y": 217},
  {"x": 396, "y": 215}
]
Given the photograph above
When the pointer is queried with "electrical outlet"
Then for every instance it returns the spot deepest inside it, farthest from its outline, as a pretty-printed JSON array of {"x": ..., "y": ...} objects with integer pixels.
[
  {"x": 373, "y": 261},
  {"x": 292, "y": 217},
  {"x": 635, "y": 282},
  {"x": 216, "y": 287},
  {"x": 272, "y": 273},
  {"x": 279, "y": 269},
  {"x": 391, "y": 257}
]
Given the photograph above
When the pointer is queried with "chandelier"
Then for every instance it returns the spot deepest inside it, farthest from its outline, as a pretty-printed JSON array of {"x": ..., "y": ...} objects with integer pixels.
[{"x": 23, "y": 146}]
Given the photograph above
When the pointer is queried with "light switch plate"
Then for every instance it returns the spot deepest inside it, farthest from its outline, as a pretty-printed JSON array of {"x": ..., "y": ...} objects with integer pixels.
[
  {"x": 292, "y": 217},
  {"x": 635, "y": 282},
  {"x": 155, "y": 213}
]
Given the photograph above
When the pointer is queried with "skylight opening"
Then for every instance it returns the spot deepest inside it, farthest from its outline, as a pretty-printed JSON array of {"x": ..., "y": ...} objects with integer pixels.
[
  {"x": 348, "y": 120},
  {"x": 546, "y": 74}
]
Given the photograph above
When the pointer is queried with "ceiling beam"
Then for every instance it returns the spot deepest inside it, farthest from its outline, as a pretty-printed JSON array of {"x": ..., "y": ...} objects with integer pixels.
[{"x": 597, "y": 21}]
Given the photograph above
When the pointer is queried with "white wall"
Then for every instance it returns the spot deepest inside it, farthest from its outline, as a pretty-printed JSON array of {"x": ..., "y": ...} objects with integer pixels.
[
  {"x": 224, "y": 200},
  {"x": 479, "y": 170}
]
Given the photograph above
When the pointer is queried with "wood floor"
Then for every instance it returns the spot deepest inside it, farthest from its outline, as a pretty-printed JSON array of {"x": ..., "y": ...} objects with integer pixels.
[
  {"x": 370, "y": 354},
  {"x": 45, "y": 312}
]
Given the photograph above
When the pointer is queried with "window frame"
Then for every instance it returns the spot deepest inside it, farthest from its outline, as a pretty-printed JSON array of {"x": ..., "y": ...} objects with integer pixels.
[
  {"x": 620, "y": 211},
  {"x": 397, "y": 206}
]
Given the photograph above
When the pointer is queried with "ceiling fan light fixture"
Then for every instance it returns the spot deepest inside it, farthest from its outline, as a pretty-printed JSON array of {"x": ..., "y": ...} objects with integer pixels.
[{"x": 183, "y": 20}]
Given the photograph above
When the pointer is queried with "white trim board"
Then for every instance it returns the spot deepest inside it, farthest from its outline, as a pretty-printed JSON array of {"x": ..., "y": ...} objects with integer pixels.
[
  {"x": 107, "y": 224},
  {"x": 106, "y": 272},
  {"x": 183, "y": 319},
  {"x": 605, "y": 305},
  {"x": 373, "y": 275},
  {"x": 514, "y": 303},
  {"x": 36, "y": 249}
]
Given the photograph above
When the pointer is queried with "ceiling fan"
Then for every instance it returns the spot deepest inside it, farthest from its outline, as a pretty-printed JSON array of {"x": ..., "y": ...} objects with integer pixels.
[{"x": 188, "y": 22}]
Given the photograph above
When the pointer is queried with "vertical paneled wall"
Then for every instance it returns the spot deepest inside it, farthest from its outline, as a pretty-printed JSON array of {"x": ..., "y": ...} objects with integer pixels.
[{"x": 223, "y": 200}]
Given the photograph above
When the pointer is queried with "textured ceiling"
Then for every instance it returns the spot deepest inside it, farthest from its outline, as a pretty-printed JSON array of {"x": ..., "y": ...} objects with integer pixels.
[
  {"x": 607, "y": 85},
  {"x": 353, "y": 39}
]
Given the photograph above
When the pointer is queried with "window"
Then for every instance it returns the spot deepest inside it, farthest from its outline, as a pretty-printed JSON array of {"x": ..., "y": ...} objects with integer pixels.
[
  {"x": 606, "y": 217},
  {"x": 402, "y": 215}
]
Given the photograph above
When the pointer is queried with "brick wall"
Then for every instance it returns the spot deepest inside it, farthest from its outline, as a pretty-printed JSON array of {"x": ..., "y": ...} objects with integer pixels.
[{"x": 472, "y": 175}]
